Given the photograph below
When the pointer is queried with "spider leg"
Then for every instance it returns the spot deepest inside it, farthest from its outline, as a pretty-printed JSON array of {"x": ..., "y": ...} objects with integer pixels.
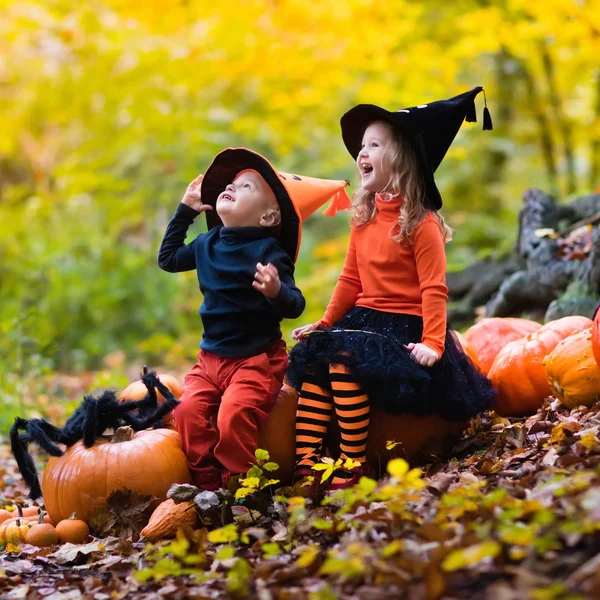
[
  {"x": 89, "y": 425},
  {"x": 157, "y": 416},
  {"x": 19, "y": 446}
]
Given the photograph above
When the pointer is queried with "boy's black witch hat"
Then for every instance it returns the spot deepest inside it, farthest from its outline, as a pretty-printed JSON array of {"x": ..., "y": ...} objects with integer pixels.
[{"x": 430, "y": 128}]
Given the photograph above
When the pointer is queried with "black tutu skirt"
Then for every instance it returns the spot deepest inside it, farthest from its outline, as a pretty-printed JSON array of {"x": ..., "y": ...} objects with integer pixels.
[{"x": 373, "y": 344}]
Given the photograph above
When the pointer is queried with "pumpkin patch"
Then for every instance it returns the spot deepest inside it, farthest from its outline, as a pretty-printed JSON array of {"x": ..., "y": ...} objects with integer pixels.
[
  {"x": 518, "y": 373},
  {"x": 486, "y": 338}
]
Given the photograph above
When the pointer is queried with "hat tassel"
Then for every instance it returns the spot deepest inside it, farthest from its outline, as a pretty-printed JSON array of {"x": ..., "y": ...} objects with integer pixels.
[
  {"x": 487, "y": 118},
  {"x": 340, "y": 201}
]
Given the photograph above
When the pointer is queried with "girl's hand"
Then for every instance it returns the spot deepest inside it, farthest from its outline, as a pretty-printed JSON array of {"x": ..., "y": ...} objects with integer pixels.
[
  {"x": 266, "y": 280},
  {"x": 299, "y": 333},
  {"x": 192, "y": 196},
  {"x": 423, "y": 354}
]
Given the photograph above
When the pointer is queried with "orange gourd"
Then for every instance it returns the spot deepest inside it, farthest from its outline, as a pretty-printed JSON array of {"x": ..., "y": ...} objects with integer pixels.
[
  {"x": 147, "y": 462},
  {"x": 42, "y": 534},
  {"x": 518, "y": 373},
  {"x": 572, "y": 371},
  {"x": 168, "y": 518},
  {"x": 490, "y": 335},
  {"x": 596, "y": 336},
  {"x": 137, "y": 390},
  {"x": 14, "y": 532},
  {"x": 72, "y": 530}
]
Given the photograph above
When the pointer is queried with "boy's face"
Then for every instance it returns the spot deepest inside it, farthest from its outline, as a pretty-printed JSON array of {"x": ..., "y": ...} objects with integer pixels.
[{"x": 248, "y": 202}]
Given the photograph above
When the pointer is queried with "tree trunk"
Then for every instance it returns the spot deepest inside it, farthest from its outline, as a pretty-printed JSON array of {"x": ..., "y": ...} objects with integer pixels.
[
  {"x": 546, "y": 141},
  {"x": 559, "y": 116}
]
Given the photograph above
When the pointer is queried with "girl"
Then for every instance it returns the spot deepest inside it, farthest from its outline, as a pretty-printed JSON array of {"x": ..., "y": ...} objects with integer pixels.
[{"x": 384, "y": 337}]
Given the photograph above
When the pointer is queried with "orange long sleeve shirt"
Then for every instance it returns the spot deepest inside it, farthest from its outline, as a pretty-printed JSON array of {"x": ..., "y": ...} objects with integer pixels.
[{"x": 388, "y": 276}]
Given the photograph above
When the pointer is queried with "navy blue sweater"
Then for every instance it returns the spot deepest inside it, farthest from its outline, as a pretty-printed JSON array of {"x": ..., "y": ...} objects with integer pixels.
[{"x": 238, "y": 320}]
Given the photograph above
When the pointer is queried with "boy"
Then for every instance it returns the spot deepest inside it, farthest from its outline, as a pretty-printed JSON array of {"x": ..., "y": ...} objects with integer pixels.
[{"x": 245, "y": 267}]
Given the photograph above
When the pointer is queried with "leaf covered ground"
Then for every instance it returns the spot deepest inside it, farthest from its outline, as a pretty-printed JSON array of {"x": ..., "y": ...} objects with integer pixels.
[{"x": 515, "y": 513}]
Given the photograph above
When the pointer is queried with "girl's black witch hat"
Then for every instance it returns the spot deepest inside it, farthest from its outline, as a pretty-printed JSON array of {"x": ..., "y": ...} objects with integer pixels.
[{"x": 430, "y": 128}]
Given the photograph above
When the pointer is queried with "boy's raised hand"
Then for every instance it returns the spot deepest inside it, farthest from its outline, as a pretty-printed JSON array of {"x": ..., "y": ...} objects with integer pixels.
[
  {"x": 193, "y": 198},
  {"x": 266, "y": 280}
]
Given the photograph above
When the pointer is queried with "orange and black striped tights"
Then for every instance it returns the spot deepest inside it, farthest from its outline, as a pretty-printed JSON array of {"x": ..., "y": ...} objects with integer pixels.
[{"x": 315, "y": 409}]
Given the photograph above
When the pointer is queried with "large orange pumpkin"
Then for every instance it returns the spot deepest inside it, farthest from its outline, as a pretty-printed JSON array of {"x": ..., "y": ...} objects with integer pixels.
[
  {"x": 466, "y": 346},
  {"x": 490, "y": 335},
  {"x": 147, "y": 462},
  {"x": 415, "y": 435},
  {"x": 278, "y": 434},
  {"x": 518, "y": 373},
  {"x": 572, "y": 371},
  {"x": 137, "y": 390},
  {"x": 596, "y": 337}
]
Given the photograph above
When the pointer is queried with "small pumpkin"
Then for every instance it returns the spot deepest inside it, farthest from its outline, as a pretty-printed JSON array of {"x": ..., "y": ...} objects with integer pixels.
[
  {"x": 147, "y": 462},
  {"x": 15, "y": 532},
  {"x": 490, "y": 335},
  {"x": 137, "y": 391},
  {"x": 72, "y": 530},
  {"x": 518, "y": 373},
  {"x": 30, "y": 511},
  {"x": 596, "y": 336},
  {"x": 168, "y": 518},
  {"x": 6, "y": 514},
  {"x": 572, "y": 371},
  {"x": 42, "y": 534}
]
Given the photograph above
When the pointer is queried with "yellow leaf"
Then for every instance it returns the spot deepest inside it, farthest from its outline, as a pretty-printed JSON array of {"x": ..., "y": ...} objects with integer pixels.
[
  {"x": 351, "y": 464},
  {"x": 243, "y": 492},
  {"x": 296, "y": 501},
  {"x": 589, "y": 441},
  {"x": 397, "y": 467},
  {"x": 224, "y": 535},
  {"x": 307, "y": 556},
  {"x": 466, "y": 557},
  {"x": 392, "y": 548},
  {"x": 261, "y": 455},
  {"x": 250, "y": 482},
  {"x": 269, "y": 482},
  {"x": 390, "y": 444}
]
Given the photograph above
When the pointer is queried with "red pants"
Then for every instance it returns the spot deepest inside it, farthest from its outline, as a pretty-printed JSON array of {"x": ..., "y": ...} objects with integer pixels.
[{"x": 240, "y": 393}]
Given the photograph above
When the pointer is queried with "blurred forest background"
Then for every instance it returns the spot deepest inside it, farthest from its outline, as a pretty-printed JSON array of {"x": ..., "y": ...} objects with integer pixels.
[{"x": 110, "y": 107}]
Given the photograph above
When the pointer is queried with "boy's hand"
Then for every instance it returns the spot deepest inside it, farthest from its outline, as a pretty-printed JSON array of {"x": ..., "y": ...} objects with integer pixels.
[
  {"x": 423, "y": 354},
  {"x": 192, "y": 196},
  {"x": 266, "y": 280}
]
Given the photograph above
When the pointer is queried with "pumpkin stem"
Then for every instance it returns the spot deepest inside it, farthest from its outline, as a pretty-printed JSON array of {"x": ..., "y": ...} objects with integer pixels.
[
  {"x": 73, "y": 516},
  {"x": 19, "y": 510},
  {"x": 123, "y": 434},
  {"x": 41, "y": 517}
]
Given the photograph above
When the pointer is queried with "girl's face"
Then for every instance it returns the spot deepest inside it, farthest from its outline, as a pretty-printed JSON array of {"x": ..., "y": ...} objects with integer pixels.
[{"x": 374, "y": 176}]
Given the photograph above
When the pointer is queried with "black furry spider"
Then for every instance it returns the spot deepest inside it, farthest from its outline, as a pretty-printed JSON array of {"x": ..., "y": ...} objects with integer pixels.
[{"x": 93, "y": 417}]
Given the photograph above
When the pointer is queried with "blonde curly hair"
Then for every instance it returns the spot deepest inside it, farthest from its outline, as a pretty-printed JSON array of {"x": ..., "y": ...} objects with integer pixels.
[{"x": 401, "y": 161}]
